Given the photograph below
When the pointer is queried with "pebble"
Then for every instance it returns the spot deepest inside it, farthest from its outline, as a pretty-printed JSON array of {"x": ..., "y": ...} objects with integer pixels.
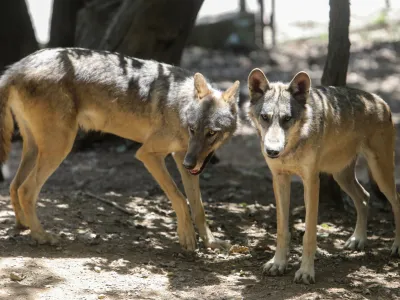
[
  {"x": 171, "y": 264},
  {"x": 97, "y": 269},
  {"x": 16, "y": 277}
]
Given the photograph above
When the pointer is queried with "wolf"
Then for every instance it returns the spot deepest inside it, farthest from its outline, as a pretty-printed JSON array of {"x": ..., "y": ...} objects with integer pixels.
[
  {"x": 169, "y": 110},
  {"x": 306, "y": 131}
]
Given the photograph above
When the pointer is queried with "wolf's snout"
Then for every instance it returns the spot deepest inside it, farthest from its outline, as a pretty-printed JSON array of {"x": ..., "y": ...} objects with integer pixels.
[
  {"x": 189, "y": 162},
  {"x": 272, "y": 153}
]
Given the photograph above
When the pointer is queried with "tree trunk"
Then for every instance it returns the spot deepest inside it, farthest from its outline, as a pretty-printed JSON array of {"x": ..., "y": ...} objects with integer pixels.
[
  {"x": 63, "y": 22},
  {"x": 17, "y": 37},
  {"x": 242, "y": 6},
  {"x": 261, "y": 21},
  {"x": 335, "y": 72},
  {"x": 143, "y": 29}
]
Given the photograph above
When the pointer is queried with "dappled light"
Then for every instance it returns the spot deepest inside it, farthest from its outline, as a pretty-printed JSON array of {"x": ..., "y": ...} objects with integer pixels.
[
  {"x": 117, "y": 228},
  {"x": 138, "y": 252}
]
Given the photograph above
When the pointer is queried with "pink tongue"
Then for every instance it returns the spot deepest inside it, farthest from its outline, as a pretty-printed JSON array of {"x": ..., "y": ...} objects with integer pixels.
[{"x": 194, "y": 171}]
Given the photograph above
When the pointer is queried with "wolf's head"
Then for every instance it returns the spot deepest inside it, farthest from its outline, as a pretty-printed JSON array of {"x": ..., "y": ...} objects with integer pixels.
[
  {"x": 277, "y": 109},
  {"x": 211, "y": 119}
]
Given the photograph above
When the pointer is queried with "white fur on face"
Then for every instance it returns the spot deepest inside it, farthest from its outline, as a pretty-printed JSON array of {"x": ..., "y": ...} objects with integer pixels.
[{"x": 274, "y": 138}]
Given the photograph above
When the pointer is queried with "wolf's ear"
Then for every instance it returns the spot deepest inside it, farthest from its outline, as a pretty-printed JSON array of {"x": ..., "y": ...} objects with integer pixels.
[
  {"x": 300, "y": 85},
  {"x": 257, "y": 83},
  {"x": 201, "y": 86},
  {"x": 229, "y": 94}
]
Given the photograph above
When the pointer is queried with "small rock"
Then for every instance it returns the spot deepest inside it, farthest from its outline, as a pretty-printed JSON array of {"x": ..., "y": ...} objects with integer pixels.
[
  {"x": 247, "y": 263},
  {"x": 171, "y": 264},
  {"x": 367, "y": 292},
  {"x": 91, "y": 238},
  {"x": 101, "y": 296},
  {"x": 141, "y": 194},
  {"x": 239, "y": 249},
  {"x": 16, "y": 277},
  {"x": 97, "y": 269}
]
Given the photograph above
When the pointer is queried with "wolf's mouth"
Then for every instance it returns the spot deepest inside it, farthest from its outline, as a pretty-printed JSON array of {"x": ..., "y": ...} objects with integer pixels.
[{"x": 205, "y": 162}]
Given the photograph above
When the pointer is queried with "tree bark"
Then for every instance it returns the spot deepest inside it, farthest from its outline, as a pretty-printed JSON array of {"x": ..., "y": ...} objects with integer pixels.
[
  {"x": 143, "y": 29},
  {"x": 242, "y": 6},
  {"x": 335, "y": 69},
  {"x": 17, "y": 37},
  {"x": 261, "y": 21},
  {"x": 335, "y": 72},
  {"x": 63, "y": 22}
]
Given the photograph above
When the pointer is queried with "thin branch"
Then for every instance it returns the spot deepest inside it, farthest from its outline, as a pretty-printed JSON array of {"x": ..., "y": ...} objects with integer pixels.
[{"x": 112, "y": 203}]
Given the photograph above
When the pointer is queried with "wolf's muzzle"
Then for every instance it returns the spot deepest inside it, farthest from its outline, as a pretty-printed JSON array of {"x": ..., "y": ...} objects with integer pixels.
[
  {"x": 272, "y": 153},
  {"x": 189, "y": 162}
]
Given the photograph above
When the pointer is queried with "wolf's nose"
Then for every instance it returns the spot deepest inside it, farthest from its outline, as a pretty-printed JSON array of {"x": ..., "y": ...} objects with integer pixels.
[
  {"x": 189, "y": 165},
  {"x": 272, "y": 153}
]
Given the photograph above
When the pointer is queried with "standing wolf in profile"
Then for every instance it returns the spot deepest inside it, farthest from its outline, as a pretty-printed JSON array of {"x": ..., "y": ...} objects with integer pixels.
[
  {"x": 306, "y": 130},
  {"x": 53, "y": 92}
]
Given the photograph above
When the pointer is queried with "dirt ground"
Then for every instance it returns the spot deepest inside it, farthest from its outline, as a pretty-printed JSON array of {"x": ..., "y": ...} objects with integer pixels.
[{"x": 108, "y": 254}]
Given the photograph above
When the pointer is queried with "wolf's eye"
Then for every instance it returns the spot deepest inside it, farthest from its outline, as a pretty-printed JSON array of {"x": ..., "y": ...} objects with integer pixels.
[
  {"x": 191, "y": 129},
  {"x": 265, "y": 117},
  {"x": 211, "y": 133},
  {"x": 287, "y": 119}
]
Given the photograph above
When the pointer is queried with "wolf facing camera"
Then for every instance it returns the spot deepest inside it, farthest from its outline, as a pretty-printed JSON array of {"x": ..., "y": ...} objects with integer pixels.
[{"x": 306, "y": 130}]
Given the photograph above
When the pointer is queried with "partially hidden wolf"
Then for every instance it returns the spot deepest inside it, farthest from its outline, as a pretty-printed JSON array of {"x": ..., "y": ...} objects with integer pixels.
[
  {"x": 53, "y": 92},
  {"x": 306, "y": 130}
]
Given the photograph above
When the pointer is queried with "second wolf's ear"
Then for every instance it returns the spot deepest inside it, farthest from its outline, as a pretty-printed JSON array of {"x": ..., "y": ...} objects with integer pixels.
[
  {"x": 300, "y": 85},
  {"x": 257, "y": 83},
  {"x": 201, "y": 86},
  {"x": 230, "y": 94}
]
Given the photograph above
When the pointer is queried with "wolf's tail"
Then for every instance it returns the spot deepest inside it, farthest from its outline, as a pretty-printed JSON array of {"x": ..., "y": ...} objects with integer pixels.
[{"x": 6, "y": 120}]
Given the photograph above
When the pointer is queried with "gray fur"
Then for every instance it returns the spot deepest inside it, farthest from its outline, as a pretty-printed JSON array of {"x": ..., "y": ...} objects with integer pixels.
[
  {"x": 166, "y": 108},
  {"x": 306, "y": 131}
]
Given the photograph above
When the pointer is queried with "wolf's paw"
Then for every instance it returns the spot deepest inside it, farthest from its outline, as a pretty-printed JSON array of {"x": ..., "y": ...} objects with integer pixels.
[
  {"x": 187, "y": 237},
  {"x": 356, "y": 242},
  {"x": 305, "y": 275},
  {"x": 19, "y": 226},
  {"x": 218, "y": 244},
  {"x": 395, "y": 250},
  {"x": 274, "y": 267},
  {"x": 20, "y": 223},
  {"x": 44, "y": 237}
]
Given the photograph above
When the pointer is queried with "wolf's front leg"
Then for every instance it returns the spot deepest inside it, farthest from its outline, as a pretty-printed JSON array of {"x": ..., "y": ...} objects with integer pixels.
[
  {"x": 155, "y": 164},
  {"x": 191, "y": 185},
  {"x": 306, "y": 272},
  {"x": 277, "y": 265}
]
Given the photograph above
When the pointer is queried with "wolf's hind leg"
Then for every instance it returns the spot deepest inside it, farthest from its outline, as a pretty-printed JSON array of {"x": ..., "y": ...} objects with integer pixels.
[
  {"x": 54, "y": 142},
  {"x": 191, "y": 185},
  {"x": 380, "y": 159},
  {"x": 28, "y": 159},
  {"x": 155, "y": 164},
  {"x": 349, "y": 184}
]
